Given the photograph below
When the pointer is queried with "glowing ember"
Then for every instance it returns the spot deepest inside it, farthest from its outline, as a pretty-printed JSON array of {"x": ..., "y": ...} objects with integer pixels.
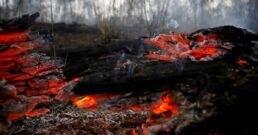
[
  {"x": 87, "y": 102},
  {"x": 241, "y": 62},
  {"x": 12, "y": 38},
  {"x": 37, "y": 112},
  {"x": 27, "y": 77},
  {"x": 20, "y": 48},
  {"x": 90, "y": 102},
  {"x": 134, "y": 132},
  {"x": 21, "y": 109},
  {"x": 159, "y": 109},
  {"x": 205, "y": 52},
  {"x": 176, "y": 47},
  {"x": 209, "y": 37},
  {"x": 144, "y": 129},
  {"x": 166, "y": 105},
  {"x": 136, "y": 108}
]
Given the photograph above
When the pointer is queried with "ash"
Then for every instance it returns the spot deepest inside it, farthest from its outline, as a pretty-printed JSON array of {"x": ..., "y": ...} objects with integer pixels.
[
  {"x": 65, "y": 118},
  {"x": 68, "y": 119}
]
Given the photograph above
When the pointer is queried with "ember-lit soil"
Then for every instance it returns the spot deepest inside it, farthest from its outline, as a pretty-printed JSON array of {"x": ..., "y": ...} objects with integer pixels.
[
  {"x": 115, "y": 117},
  {"x": 68, "y": 119},
  {"x": 132, "y": 113},
  {"x": 128, "y": 113}
]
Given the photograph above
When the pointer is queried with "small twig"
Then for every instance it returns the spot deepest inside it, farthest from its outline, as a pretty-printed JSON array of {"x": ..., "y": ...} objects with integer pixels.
[
  {"x": 66, "y": 57},
  {"x": 52, "y": 28}
]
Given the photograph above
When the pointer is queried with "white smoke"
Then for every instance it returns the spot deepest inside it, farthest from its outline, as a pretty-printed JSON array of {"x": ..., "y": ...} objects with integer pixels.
[{"x": 182, "y": 15}]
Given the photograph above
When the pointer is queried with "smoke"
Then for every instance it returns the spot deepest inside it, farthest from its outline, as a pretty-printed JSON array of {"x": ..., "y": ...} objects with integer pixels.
[{"x": 141, "y": 15}]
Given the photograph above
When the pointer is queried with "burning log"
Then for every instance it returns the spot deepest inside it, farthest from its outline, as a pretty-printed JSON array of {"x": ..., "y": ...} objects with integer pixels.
[
  {"x": 170, "y": 112},
  {"x": 206, "y": 63},
  {"x": 167, "y": 57}
]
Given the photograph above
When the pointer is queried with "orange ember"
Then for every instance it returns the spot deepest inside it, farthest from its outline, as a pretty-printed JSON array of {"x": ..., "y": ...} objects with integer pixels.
[
  {"x": 241, "y": 62},
  {"x": 134, "y": 132},
  {"x": 136, "y": 108},
  {"x": 19, "y": 48},
  {"x": 30, "y": 108},
  {"x": 12, "y": 38},
  {"x": 143, "y": 132},
  {"x": 166, "y": 105},
  {"x": 209, "y": 37},
  {"x": 178, "y": 47},
  {"x": 37, "y": 112},
  {"x": 204, "y": 51},
  {"x": 144, "y": 129},
  {"x": 32, "y": 75},
  {"x": 88, "y": 102}
]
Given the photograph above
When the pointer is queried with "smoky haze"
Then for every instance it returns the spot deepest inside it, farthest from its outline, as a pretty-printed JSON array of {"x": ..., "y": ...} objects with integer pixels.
[{"x": 151, "y": 16}]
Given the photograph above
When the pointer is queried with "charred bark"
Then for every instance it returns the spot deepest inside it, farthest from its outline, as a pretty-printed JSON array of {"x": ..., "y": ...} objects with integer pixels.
[
  {"x": 19, "y": 23},
  {"x": 123, "y": 67}
]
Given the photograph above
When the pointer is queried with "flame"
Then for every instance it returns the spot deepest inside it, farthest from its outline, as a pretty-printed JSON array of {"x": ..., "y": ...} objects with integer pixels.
[
  {"x": 166, "y": 105},
  {"x": 90, "y": 102},
  {"x": 87, "y": 102}
]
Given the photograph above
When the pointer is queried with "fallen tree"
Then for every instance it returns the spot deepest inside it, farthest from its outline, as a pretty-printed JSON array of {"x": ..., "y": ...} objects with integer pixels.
[{"x": 134, "y": 65}]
